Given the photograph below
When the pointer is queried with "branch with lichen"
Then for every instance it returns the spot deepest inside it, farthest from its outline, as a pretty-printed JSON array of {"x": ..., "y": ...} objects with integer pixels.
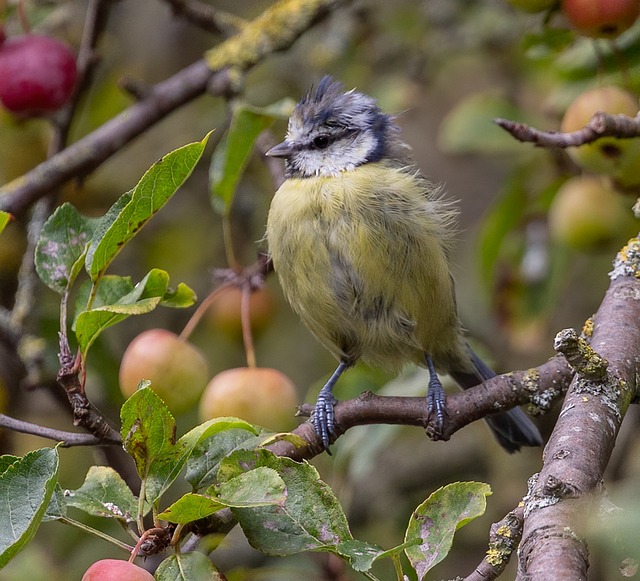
[{"x": 579, "y": 449}]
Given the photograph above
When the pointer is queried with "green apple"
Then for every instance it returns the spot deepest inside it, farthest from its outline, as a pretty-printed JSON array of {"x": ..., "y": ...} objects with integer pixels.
[
  {"x": 587, "y": 213},
  {"x": 177, "y": 370},
  {"x": 259, "y": 395}
]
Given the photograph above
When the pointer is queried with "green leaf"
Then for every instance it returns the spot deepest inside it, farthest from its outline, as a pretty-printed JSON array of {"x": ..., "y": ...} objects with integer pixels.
[
  {"x": 57, "y": 507},
  {"x": 181, "y": 297},
  {"x": 311, "y": 518},
  {"x": 360, "y": 555},
  {"x": 27, "y": 486},
  {"x": 136, "y": 208},
  {"x": 7, "y": 460},
  {"x": 203, "y": 464},
  {"x": 61, "y": 247},
  {"x": 191, "y": 507},
  {"x": 187, "y": 567},
  {"x": 149, "y": 435},
  {"x": 118, "y": 299},
  {"x": 5, "y": 218},
  {"x": 435, "y": 521},
  {"x": 104, "y": 493},
  {"x": 260, "y": 487},
  {"x": 234, "y": 150}
]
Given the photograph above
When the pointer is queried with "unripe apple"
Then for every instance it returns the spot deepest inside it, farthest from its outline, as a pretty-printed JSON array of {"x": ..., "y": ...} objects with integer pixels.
[
  {"x": 116, "y": 570},
  {"x": 532, "y": 5},
  {"x": 177, "y": 370},
  {"x": 586, "y": 213},
  {"x": 609, "y": 155},
  {"x": 601, "y": 18},
  {"x": 259, "y": 395},
  {"x": 224, "y": 314},
  {"x": 37, "y": 74}
]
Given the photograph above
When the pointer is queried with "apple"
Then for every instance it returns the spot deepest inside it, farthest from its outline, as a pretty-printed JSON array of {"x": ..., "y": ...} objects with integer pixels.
[
  {"x": 224, "y": 314},
  {"x": 38, "y": 74},
  {"x": 177, "y": 370},
  {"x": 259, "y": 395},
  {"x": 116, "y": 570},
  {"x": 586, "y": 213},
  {"x": 601, "y": 18},
  {"x": 609, "y": 155},
  {"x": 533, "y": 5}
]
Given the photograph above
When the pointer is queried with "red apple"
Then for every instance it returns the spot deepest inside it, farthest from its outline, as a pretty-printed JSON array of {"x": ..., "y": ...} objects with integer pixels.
[
  {"x": 224, "y": 313},
  {"x": 116, "y": 570},
  {"x": 37, "y": 74},
  {"x": 177, "y": 370},
  {"x": 601, "y": 18},
  {"x": 262, "y": 396}
]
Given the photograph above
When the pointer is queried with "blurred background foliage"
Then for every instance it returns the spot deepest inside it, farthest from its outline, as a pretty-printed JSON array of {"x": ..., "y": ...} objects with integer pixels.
[{"x": 447, "y": 68}]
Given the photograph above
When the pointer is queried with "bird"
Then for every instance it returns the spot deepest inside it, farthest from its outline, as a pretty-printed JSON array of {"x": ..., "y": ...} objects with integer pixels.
[{"x": 361, "y": 242}]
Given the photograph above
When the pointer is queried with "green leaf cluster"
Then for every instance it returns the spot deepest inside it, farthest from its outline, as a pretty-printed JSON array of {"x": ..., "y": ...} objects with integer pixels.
[{"x": 70, "y": 242}]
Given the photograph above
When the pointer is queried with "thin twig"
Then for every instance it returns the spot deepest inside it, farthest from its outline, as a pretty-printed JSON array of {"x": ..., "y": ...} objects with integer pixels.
[
  {"x": 207, "y": 17},
  {"x": 66, "y": 439}
]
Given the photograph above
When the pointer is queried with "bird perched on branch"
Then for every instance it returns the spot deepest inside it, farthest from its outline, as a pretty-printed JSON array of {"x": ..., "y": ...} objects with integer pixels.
[{"x": 360, "y": 241}]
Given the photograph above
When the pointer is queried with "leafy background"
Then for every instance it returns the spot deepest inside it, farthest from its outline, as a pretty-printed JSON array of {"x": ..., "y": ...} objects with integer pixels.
[{"x": 447, "y": 67}]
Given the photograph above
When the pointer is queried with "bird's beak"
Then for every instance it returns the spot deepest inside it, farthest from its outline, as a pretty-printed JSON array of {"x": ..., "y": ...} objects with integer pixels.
[{"x": 283, "y": 149}]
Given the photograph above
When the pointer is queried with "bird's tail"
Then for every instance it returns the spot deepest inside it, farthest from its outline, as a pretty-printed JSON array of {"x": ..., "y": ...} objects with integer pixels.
[{"x": 513, "y": 429}]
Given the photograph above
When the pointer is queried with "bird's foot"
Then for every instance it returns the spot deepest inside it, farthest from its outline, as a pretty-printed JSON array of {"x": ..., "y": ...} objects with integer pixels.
[
  {"x": 324, "y": 418},
  {"x": 436, "y": 405}
]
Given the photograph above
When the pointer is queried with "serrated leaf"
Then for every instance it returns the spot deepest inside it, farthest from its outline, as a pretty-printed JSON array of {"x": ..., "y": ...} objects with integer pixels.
[
  {"x": 204, "y": 462},
  {"x": 7, "y": 460},
  {"x": 187, "y": 567},
  {"x": 104, "y": 493},
  {"x": 26, "y": 485},
  {"x": 154, "y": 190},
  {"x": 62, "y": 245},
  {"x": 149, "y": 435},
  {"x": 5, "y": 218},
  {"x": 232, "y": 154},
  {"x": 191, "y": 507},
  {"x": 436, "y": 520},
  {"x": 57, "y": 508},
  {"x": 360, "y": 554},
  {"x": 311, "y": 518},
  {"x": 261, "y": 486}
]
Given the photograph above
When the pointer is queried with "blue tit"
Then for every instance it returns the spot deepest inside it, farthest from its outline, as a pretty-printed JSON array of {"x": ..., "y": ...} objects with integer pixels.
[{"x": 361, "y": 243}]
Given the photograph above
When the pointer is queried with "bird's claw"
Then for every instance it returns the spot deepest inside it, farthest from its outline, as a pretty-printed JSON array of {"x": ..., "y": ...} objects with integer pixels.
[
  {"x": 324, "y": 418},
  {"x": 436, "y": 406}
]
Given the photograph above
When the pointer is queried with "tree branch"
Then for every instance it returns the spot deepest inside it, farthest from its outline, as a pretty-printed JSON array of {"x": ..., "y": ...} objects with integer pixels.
[
  {"x": 600, "y": 125},
  {"x": 66, "y": 439},
  {"x": 584, "y": 437},
  {"x": 538, "y": 386}
]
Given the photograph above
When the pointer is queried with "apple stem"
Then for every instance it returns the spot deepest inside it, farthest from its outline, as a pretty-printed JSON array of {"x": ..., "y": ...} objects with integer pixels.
[
  {"x": 201, "y": 310},
  {"x": 245, "y": 318},
  {"x": 228, "y": 242}
]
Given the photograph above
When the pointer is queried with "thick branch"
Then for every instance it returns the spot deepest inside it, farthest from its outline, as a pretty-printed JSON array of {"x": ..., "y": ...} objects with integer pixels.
[
  {"x": 582, "y": 442},
  {"x": 540, "y": 385},
  {"x": 600, "y": 125}
]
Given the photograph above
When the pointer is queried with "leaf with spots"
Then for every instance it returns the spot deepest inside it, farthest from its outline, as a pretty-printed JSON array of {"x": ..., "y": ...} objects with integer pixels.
[
  {"x": 435, "y": 521},
  {"x": 192, "y": 566},
  {"x": 62, "y": 246},
  {"x": 311, "y": 517},
  {"x": 132, "y": 211},
  {"x": 27, "y": 485},
  {"x": 103, "y": 493}
]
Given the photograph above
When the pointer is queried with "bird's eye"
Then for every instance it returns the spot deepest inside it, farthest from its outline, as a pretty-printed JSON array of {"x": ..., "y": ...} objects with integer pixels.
[{"x": 321, "y": 141}]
